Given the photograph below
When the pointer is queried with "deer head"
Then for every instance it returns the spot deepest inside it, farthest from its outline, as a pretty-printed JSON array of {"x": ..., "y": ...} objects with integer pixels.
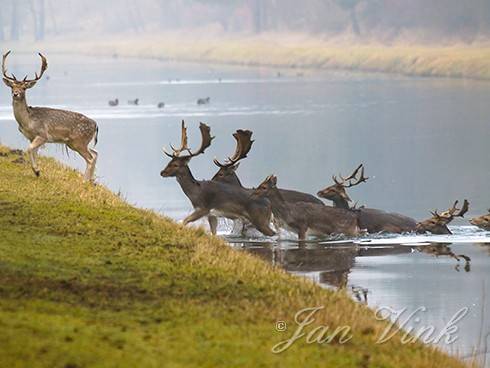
[
  {"x": 482, "y": 222},
  {"x": 265, "y": 188},
  {"x": 179, "y": 162},
  {"x": 337, "y": 192},
  {"x": 19, "y": 86},
  {"x": 226, "y": 172},
  {"x": 437, "y": 224}
]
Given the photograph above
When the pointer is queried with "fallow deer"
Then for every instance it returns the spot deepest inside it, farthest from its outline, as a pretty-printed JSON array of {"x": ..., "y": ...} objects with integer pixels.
[
  {"x": 211, "y": 198},
  {"x": 437, "y": 224},
  {"x": 304, "y": 217},
  {"x": 483, "y": 222},
  {"x": 227, "y": 170},
  {"x": 41, "y": 125},
  {"x": 370, "y": 219}
]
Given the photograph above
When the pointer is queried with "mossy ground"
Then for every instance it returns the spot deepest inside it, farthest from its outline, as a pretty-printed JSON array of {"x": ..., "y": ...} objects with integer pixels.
[{"x": 86, "y": 280}]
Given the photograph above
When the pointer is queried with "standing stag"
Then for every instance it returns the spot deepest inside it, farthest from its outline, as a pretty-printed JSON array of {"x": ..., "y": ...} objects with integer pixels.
[
  {"x": 373, "y": 220},
  {"x": 437, "y": 224},
  {"x": 307, "y": 218},
  {"x": 41, "y": 125},
  {"x": 483, "y": 222},
  {"x": 211, "y": 198},
  {"x": 227, "y": 170}
]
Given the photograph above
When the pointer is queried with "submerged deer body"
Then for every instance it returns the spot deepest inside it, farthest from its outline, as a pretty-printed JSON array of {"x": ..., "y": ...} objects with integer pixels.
[
  {"x": 437, "y": 224},
  {"x": 211, "y": 198},
  {"x": 227, "y": 171},
  {"x": 41, "y": 125},
  {"x": 303, "y": 217},
  {"x": 483, "y": 222},
  {"x": 373, "y": 220}
]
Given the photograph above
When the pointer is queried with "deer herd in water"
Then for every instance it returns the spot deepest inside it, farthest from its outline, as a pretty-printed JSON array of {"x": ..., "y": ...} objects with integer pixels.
[{"x": 266, "y": 208}]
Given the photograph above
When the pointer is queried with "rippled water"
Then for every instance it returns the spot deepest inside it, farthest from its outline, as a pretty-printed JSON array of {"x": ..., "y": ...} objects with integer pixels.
[{"x": 424, "y": 143}]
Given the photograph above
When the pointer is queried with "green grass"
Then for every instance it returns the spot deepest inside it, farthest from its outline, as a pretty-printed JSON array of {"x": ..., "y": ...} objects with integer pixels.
[
  {"x": 86, "y": 280},
  {"x": 289, "y": 51}
]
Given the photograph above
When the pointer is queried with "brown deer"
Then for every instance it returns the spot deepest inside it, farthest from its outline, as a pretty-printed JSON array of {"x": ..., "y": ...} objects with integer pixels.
[
  {"x": 41, "y": 125},
  {"x": 211, "y": 198},
  {"x": 437, "y": 224},
  {"x": 483, "y": 222},
  {"x": 305, "y": 217},
  {"x": 227, "y": 170},
  {"x": 373, "y": 220}
]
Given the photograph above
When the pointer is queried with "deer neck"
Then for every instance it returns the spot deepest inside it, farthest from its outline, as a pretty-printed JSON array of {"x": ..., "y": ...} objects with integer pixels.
[
  {"x": 190, "y": 186},
  {"x": 21, "y": 111},
  {"x": 279, "y": 205},
  {"x": 341, "y": 203}
]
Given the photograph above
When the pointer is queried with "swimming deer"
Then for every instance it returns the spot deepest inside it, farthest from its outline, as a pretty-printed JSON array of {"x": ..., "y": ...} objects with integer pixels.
[
  {"x": 41, "y": 125},
  {"x": 227, "y": 170},
  {"x": 437, "y": 224},
  {"x": 373, "y": 220},
  {"x": 483, "y": 222},
  {"x": 303, "y": 217},
  {"x": 211, "y": 198}
]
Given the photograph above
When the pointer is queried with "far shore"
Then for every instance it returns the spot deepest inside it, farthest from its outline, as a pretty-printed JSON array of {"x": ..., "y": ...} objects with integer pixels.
[{"x": 287, "y": 51}]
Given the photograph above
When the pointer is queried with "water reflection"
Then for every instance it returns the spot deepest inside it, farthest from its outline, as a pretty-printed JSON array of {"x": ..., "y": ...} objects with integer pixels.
[{"x": 440, "y": 276}]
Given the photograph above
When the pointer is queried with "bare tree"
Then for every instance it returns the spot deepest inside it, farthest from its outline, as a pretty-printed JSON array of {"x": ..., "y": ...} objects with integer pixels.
[{"x": 14, "y": 21}]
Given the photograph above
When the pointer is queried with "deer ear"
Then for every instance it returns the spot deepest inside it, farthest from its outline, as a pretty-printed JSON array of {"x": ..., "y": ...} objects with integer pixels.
[
  {"x": 29, "y": 84},
  {"x": 234, "y": 167},
  {"x": 274, "y": 180},
  {"x": 9, "y": 83}
]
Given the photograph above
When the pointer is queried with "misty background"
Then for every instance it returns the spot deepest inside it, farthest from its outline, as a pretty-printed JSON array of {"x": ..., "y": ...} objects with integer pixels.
[{"x": 435, "y": 21}]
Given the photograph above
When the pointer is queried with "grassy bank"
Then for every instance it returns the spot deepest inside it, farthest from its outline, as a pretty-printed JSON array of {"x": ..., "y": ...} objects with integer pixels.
[
  {"x": 458, "y": 61},
  {"x": 88, "y": 281}
]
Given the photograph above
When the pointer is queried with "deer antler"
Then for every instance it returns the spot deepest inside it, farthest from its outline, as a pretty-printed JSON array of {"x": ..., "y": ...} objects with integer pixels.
[
  {"x": 463, "y": 209},
  {"x": 4, "y": 67},
  {"x": 347, "y": 182},
  {"x": 206, "y": 139},
  {"x": 243, "y": 145},
  {"x": 44, "y": 66}
]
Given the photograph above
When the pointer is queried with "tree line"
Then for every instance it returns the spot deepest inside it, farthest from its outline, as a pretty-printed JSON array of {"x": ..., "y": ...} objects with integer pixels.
[{"x": 363, "y": 19}]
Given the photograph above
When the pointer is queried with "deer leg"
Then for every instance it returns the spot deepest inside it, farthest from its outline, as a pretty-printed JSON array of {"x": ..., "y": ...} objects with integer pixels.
[
  {"x": 196, "y": 215},
  {"x": 89, "y": 159},
  {"x": 213, "y": 224},
  {"x": 32, "y": 152},
  {"x": 95, "y": 155}
]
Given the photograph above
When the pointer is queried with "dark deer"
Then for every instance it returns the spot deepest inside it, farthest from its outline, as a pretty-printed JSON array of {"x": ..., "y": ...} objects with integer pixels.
[
  {"x": 437, "y": 224},
  {"x": 41, "y": 125},
  {"x": 114, "y": 102},
  {"x": 227, "y": 170},
  {"x": 303, "y": 217},
  {"x": 483, "y": 222},
  {"x": 373, "y": 220},
  {"x": 211, "y": 198}
]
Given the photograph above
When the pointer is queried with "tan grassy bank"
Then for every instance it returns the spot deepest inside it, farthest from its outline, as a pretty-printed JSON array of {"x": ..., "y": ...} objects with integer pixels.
[
  {"x": 86, "y": 280},
  {"x": 460, "y": 61}
]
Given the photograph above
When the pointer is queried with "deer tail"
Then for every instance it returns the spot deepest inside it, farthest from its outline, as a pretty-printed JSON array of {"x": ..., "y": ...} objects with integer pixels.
[{"x": 96, "y": 135}]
